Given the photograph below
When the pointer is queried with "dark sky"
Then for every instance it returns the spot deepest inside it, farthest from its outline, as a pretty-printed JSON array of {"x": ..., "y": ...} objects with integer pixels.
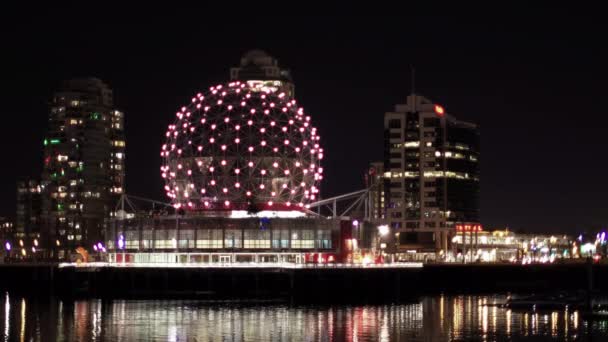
[{"x": 534, "y": 81}]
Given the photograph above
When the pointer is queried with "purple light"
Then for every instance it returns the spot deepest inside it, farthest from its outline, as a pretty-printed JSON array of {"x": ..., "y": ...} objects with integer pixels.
[
  {"x": 121, "y": 242},
  {"x": 7, "y": 245}
]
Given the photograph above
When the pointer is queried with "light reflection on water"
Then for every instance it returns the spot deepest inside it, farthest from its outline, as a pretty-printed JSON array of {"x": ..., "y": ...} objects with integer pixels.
[{"x": 438, "y": 318}]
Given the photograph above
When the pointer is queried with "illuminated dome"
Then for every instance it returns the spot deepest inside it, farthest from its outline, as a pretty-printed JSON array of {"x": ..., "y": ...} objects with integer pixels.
[{"x": 235, "y": 146}]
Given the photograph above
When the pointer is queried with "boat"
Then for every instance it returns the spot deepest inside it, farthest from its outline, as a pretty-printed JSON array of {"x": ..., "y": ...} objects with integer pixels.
[{"x": 536, "y": 302}]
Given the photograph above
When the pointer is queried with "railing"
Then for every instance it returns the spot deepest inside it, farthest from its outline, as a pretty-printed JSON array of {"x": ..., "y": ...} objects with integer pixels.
[{"x": 243, "y": 265}]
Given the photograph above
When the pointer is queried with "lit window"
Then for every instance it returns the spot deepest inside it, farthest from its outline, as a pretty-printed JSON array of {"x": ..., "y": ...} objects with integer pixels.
[
  {"x": 74, "y": 103},
  {"x": 412, "y": 144},
  {"x": 119, "y": 155}
]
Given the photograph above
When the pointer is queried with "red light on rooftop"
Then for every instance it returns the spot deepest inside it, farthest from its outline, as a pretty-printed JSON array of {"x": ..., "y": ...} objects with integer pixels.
[{"x": 439, "y": 110}]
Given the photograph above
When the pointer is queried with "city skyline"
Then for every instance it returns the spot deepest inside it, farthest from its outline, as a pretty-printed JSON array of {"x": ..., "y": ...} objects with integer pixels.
[{"x": 515, "y": 100}]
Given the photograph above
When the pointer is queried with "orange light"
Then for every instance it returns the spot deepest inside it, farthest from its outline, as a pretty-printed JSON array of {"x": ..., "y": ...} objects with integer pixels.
[{"x": 439, "y": 110}]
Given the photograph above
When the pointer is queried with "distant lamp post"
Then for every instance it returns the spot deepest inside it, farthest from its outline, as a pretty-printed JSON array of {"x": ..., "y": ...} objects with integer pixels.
[
  {"x": 7, "y": 246},
  {"x": 356, "y": 223},
  {"x": 20, "y": 242},
  {"x": 36, "y": 242},
  {"x": 57, "y": 243}
]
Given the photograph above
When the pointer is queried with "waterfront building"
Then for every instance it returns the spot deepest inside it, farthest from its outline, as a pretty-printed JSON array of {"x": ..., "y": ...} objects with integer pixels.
[
  {"x": 84, "y": 158},
  {"x": 508, "y": 246},
  {"x": 240, "y": 165},
  {"x": 431, "y": 163}
]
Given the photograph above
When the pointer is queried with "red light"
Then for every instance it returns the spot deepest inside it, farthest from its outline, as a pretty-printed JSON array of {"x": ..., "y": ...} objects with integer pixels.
[{"x": 439, "y": 110}]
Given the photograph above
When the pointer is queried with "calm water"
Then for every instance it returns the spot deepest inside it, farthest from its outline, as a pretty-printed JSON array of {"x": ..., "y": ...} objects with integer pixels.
[{"x": 440, "y": 318}]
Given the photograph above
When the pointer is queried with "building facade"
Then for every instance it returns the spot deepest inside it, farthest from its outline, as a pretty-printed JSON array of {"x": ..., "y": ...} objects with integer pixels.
[
  {"x": 195, "y": 238},
  {"x": 260, "y": 70},
  {"x": 431, "y": 164},
  {"x": 375, "y": 181},
  {"x": 29, "y": 206},
  {"x": 84, "y": 159}
]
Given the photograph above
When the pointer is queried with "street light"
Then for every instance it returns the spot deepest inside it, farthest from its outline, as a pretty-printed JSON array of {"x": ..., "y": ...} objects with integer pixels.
[
  {"x": 383, "y": 230},
  {"x": 8, "y": 246}
]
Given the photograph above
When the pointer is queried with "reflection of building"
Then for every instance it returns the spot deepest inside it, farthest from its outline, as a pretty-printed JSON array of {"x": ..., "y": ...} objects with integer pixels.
[
  {"x": 29, "y": 201},
  {"x": 83, "y": 163},
  {"x": 262, "y": 71},
  {"x": 431, "y": 160}
]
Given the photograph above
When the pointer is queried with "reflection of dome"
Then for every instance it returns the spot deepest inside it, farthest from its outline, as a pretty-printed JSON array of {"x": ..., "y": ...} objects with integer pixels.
[
  {"x": 236, "y": 145},
  {"x": 257, "y": 57}
]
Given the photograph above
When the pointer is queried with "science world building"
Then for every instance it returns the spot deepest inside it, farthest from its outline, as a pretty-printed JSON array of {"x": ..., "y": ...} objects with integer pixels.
[{"x": 240, "y": 163}]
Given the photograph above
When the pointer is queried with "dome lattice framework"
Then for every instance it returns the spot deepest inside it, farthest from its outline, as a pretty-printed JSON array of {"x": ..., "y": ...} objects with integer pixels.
[{"x": 235, "y": 146}]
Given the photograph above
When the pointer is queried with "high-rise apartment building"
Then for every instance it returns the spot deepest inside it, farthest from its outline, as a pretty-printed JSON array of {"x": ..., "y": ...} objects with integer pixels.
[
  {"x": 432, "y": 170},
  {"x": 84, "y": 164},
  {"x": 261, "y": 70},
  {"x": 29, "y": 206}
]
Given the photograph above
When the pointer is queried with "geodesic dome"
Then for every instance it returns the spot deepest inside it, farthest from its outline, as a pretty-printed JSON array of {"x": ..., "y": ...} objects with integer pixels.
[{"x": 236, "y": 145}]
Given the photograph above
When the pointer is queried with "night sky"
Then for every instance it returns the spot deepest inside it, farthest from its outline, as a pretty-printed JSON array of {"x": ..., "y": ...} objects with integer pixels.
[{"x": 535, "y": 82}]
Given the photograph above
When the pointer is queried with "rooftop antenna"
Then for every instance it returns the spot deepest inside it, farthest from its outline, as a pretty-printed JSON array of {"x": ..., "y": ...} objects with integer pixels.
[{"x": 413, "y": 73}]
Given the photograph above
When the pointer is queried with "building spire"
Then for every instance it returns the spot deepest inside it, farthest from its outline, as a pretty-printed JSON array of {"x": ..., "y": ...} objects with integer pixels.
[{"x": 413, "y": 74}]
